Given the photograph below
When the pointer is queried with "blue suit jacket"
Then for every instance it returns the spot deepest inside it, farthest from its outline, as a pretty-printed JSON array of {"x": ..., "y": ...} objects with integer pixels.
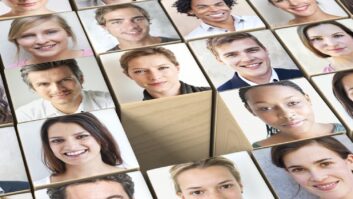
[
  {"x": 236, "y": 82},
  {"x": 12, "y": 186}
]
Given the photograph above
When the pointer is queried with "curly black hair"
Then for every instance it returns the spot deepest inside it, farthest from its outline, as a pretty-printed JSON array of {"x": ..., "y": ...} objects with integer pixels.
[{"x": 184, "y": 6}]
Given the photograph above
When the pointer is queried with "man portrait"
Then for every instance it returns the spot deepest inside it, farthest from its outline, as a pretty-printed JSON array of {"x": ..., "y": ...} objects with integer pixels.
[
  {"x": 59, "y": 86},
  {"x": 250, "y": 60}
]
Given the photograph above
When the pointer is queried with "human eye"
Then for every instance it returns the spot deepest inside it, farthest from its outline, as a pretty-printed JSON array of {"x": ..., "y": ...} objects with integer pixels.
[
  {"x": 52, "y": 31},
  {"x": 196, "y": 193},
  {"x": 253, "y": 50},
  {"x": 293, "y": 103},
  {"x": 297, "y": 170},
  {"x": 163, "y": 67},
  {"x": 316, "y": 39},
  {"x": 229, "y": 55},
  {"x": 201, "y": 7},
  {"x": 139, "y": 19},
  {"x": 56, "y": 141},
  {"x": 220, "y": 4},
  {"x": 338, "y": 35},
  {"x": 325, "y": 164},
  {"x": 264, "y": 108},
  {"x": 82, "y": 136},
  {"x": 43, "y": 84},
  {"x": 227, "y": 186},
  {"x": 139, "y": 72},
  {"x": 26, "y": 36},
  {"x": 117, "y": 22},
  {"x": 277, "y": 1}
]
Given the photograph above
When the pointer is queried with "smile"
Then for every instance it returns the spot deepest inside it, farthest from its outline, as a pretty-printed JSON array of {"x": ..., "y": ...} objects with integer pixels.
[
  {"x": 134, "y": 32},
  {"x": 300, "y": 8},
  {"x": 293, "y": 124},
  {"x": 326, "y": 186},
  {"x": 46, "y": 47},
  {"x": 252, "y": 66},
  {"x": 27, "y": 4},
  {"x": 156, "y": 84},
  {"x": 217, "y": 14},
  {"x": 75, "y": 153}
]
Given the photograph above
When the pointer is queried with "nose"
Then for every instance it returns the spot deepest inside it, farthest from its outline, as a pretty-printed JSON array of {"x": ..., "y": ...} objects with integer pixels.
[
  {"x": 293, "y": 2},
  {"x": 41, "y": 39},
  {"x": 317, "y": 176},
  {"x": 57, "y": 87},
  {"x": 216, "y": 194},
  {"x": 70, "y": 144},
  {"x": 212, "y": 8},
  {"x": 329, "y": 42},
  {"x": 246, "y": 57},
  {"x": 286, "y": 113},
  {"x": 154, "y": 74}
]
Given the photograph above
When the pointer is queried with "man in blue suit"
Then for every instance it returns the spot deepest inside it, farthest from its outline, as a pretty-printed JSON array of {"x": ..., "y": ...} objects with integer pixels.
[{"x": 250, "y": 60}]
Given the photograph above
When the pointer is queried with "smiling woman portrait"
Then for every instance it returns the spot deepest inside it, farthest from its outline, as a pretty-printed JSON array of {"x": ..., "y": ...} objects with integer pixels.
[
  {"x": 25, "y": 7},
  {"x": 45, "y": 38}
]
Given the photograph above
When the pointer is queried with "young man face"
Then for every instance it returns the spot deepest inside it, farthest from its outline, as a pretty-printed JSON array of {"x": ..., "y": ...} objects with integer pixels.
[
  {"x": 210, "y": 11},
  {"x": 246, "y": 57},
  {"x": 127, "y": 25}
]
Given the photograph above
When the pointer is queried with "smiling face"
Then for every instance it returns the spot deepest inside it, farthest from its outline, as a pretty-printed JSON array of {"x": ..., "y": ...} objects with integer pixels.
[
  {"x": 331, "y": 40},
  {"x": 44, "y": 41},
  {"x": 281, "y": 107},
  {"x": 299, "y": 8},
  {"x": 72, "y": 144},
  {"x": 155, "y": 73},
  {"x": 210, "y": 11},
  {"x": 127, "y": 24},
  {"x": 25, "y": 5},
  {"x": 97, "y": 190},
  {"x": 321, "y": 171},
  {"x": 57, "y": 85},
  {"x": 246, "y": 57},
  {"x": 210, "y": 182}
]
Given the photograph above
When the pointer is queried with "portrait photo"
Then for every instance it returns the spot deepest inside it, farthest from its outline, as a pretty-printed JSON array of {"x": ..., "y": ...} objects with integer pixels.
[
  {"x": 335, "y": 87},
  {"x": 26, "y": 40},
  {"x": 153, "y": 72},
  {"x": 251, "y": 183},
  {"x": 18, "y": 8},
  {"x": 206, "y": 18},
  {"x": 284, "y": 13},
  {"x": 13, "y": 176},
  {"x": 317, "y": 48},
  {"x": 57, "y": 88},
  {"x": 5, "y": 111},
  {"x": 302, "y": 169},
  {"x": 279, "y": 112},
  {"x": 229, "y": 60},
  {"x": 124, "y": 185},
  {"x": 127, "y": 26},
  {"x": 75, "y": 146}
]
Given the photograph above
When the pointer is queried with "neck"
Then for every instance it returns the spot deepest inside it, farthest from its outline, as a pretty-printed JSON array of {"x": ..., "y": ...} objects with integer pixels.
[
  {"x": 148, "y": 40},
  {"x": 342, "y": 62},
  {"x": 87, "y": 169},
  {"x": 66, "y": 54},
  {"x": 27, "y": 13},
  {"x": 174, "y": 91},
  {"x": 317, "y": 16},
  {"x": 228, "y": 24},
  {"x": 264, "y": 79},
  {"x": 69, "y": 108},
  {"x": 316, "y": 130}
]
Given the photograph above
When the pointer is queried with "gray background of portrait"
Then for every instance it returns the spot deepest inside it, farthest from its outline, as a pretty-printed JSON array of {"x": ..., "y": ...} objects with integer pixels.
[
  {"x": 255, "y": 129},
  {"x": 241, "y": 8},
  {"x": 51, "y": 5},
  {"x": 219, "y": 73},
  {"x": 309, "y": 62},
  {"x": 21, "y": 94},
  {"x": 9, "y": 49},
  {"x": 279, "y": 179},
  {"x": 277, "y": 17},
  {"x": 126, "y": 90},
  {"x": 11, "y": 163},
  {"x": 253, "y": 184},
  {"x": 102, "y": 40},
  {"x": 32, "y": 145}
]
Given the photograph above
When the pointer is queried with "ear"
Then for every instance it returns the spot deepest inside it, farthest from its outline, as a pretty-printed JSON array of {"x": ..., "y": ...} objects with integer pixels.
[
  {"x": 127, "y": 74},
  {"x": 177, "y": 67},
  {"x": 349, "y": 161},
  {"x": 249, "y": 109},
  {"x": 308, "y": 98},
  {"x": 191, "y": 13},
  {"x": 180, "y": 195},
  {"x": 81, "y": 79}
]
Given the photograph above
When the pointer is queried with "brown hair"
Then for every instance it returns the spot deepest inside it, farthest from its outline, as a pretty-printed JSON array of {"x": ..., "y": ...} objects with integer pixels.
[{"x": 340, "y": 93}]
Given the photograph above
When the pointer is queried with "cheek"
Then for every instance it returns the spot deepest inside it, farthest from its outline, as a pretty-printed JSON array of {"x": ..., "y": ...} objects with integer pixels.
[{"x": 301, "y": 179}]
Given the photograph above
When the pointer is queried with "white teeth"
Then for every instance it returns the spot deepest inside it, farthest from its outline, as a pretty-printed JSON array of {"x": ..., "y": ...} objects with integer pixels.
[
  {"x": 216, "y": 15},
  {"x": 74, "y": 153},
  {"x": 326, "y": 187},
  {"x": 45, "y": 47}
]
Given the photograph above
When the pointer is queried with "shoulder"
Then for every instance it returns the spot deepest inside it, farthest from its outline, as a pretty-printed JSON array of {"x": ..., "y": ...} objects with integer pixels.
[
  {"x": 167, "y": 39},
  {"x": 19, "y": 63},
  {"x": 287, "y": 73},
  {"x": 42, "y": 181},
  {"x": 197, "y": 32},
  {"x": 252, "y": 21},
  {"x": 186, "y": 88},
  {"x": 31, "y": 111},
  {"x": 234, "y": 82}
]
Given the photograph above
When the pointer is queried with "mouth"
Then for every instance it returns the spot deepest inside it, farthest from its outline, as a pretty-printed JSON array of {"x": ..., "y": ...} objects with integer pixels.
[
  {"x": 326, "y": 186},
  {"x": 27, "y": 4},
  {"x": 61, "y": 94},
  {"x": 300, "y": 8},
  {"x": 133, "y": 32},
  {"x": 336, "y": 49},
  {"x": 74, "y": 154},
  {"x": 217, "y": 14},
  {"x": 252, "y": 66},
  {"x": 293, "y": 124},
  {"x": 156, "y": 84},
  {"x": 45, "y": 47}
]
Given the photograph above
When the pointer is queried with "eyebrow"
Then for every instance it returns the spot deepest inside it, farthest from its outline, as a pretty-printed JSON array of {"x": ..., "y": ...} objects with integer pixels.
[
  {"x": 115, "y": 197},
  {"x": 340, "y": 32},
  {"x": 78, "y": 133},
  {"x": 315, "y": 162},
  {"x": 286, "y": 98},
  {"x": 222, "y": 182},
  {"x": 119, "y": 19}
]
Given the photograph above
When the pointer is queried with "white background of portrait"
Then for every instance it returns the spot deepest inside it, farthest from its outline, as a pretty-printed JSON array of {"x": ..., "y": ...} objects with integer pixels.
[
  {"x": 21, "y": 94},
  {"x": 219, "y": 73},
  {"x": 277, "y": 17},
  {"x": 102, "y": 40},
  {"x": 253, "y": 184},
  {"x": 20, "y": 196},
  {"x": 8, "y": 50},
  {"x": 51, "y": 5},
  {"x": 279, "y": 179},
  {"x": 255, "y": 129},
  {"x": 240, "y": 8},
  {"x": 324, "y": 83},
  {"x": 11, "y": 163},
  {"x": 30, "y": 137},
  {"x": 126, "y": 90},
  {"x": 310, "y": 63},
  {"x": 140, "y": 186}
]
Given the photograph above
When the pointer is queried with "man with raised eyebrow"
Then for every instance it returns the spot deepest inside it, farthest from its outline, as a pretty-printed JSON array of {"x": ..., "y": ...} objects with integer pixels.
[
  {"x": 215, "y": 16},
  {"x": 129, "y": 24},
  {"x": 59, "y": 85},
  {"x": 249, "y": 58}
]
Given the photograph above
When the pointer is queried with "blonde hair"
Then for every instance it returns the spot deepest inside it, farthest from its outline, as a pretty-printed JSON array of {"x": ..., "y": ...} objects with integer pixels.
[{"x": 18, "y": 26}]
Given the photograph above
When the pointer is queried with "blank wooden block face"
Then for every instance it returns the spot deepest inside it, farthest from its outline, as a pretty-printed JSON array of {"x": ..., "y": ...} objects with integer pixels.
[
  {"x": 126, "y": 90},
  {"x": 32, "y": 144},
  {"x": 253, "y": 184},
  {"x": 311, "y": 63},
  {"x": 281, "y": 181}
]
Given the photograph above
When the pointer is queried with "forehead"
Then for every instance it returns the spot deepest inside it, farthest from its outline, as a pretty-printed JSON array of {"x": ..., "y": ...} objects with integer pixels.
[
  {"x": 123, "y": 13},
  {"x": 96, "y": 190},
  {"x": 57, "y": 71},
  {"x": 348, "y": 80},
  {"x": 205, "y": 2},
  {"x": 323, "y": 29},
  {"x": 271, "y": 92},
  {"x": 238, "y": 45},
  {"x": 40, "y": 25},
  {"x": 62, "y": 129},
  {"x": 149, "y": 60}
]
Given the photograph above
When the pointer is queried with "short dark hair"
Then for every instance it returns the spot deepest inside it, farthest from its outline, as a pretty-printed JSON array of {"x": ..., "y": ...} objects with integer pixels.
[
  {"x": 280, "y": 151},
  {"x": 109, "y": 148},
  {"x": 100, "y": 12},
  {"x": 339, "y": 91},
  {"x": 70, "y": 63},
  {"x": 122, "y": 178},
  {"x": 303, "y": 35},
  {"x": 184, "y": 6},
  {"x": 214, "y": 42}
]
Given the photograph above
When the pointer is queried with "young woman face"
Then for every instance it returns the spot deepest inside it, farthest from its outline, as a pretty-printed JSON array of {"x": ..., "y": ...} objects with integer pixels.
[
  {"x": 330, "y": 40},
  {"x": 25, "y": 5},
  {"x": 72, "y": 144},
  {"x": 300, "y": 8},
  {"x": 44, "y": 40},
  {"x": 281, "y": 107},
  {"x": 347, "y": 82},
  {"x": 321, "y": 171}
]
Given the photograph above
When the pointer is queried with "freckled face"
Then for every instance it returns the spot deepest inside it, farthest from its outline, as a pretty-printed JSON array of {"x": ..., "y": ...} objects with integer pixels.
[
  {"x": 25, "y": 5},
  {"x": 300, "y": 8},
  {"x": 321, "y": 171},
  {"x": 281, "y": 107}
]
